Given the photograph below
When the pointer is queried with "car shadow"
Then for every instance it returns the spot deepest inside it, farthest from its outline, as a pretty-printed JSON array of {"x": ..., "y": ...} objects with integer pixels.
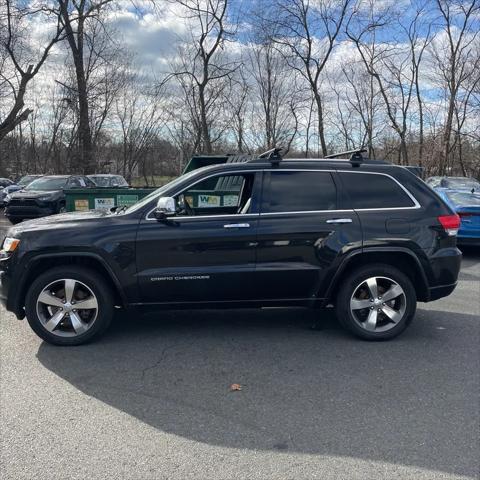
[{"x": 303, "y": 390}]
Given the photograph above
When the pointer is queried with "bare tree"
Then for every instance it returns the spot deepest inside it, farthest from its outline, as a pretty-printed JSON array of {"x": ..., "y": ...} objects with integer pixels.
[
  {"x": 74, "y": 16},
  {"x": 359, "y": 106},
  {"x": 107, "y": 67},
  {"x": 418, "y": 44},
  {"x": 17, "y": 66},
  {"x": 306, "y": 35},
  {"x": 237, "y": 107},
  {"x": 452, "y": 52},
  {"x": 203, "y": 70},
  {"x": 141, "y": 118},
  {"x": 394, "y": 68},
  {"x": 274, "y": 97}
]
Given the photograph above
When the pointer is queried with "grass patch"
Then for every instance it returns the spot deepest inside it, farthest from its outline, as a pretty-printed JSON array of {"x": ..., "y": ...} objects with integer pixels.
[{"x": 156, "y": 181}]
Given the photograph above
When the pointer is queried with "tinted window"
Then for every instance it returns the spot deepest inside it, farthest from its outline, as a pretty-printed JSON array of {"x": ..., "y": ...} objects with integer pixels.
[
  {"x": 300, "y": 191},
  {"x": 374, "y": 191}
]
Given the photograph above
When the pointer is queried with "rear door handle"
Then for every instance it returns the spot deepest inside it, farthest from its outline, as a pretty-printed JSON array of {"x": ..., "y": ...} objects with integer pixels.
[
  {"x": 237, "y": 225},
  {"x": 340, "y": 220}
]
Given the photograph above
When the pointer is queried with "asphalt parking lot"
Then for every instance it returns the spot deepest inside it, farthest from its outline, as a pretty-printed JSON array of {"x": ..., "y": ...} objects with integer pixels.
[{"x": 151, "y": 400}]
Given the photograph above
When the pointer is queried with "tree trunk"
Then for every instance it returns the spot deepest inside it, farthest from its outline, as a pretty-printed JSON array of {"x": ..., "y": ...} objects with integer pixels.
[
  {"x": 447, "y": 138},
  {"x": 84, "y": 131},
  {"x": 75, "y": 40},
  {"x": 321, "y": 128},
  {"x": 207, "y": 144}
]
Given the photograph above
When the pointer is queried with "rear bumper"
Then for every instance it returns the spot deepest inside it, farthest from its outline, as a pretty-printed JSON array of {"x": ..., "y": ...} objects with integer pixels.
[
  {"x": 441, "y": 291},
  {"x": 444, "y": 269}
]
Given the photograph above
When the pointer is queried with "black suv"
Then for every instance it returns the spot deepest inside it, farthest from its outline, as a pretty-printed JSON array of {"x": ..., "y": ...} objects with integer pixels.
[
  {"x": 44, "y": 196},
  {"x": 370, "y": 238}
]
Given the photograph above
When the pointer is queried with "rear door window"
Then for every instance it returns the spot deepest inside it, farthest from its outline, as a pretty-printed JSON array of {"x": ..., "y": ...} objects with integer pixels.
[
  {"x": 299, "y": 191},
  {"x": 372, "y": 190}
]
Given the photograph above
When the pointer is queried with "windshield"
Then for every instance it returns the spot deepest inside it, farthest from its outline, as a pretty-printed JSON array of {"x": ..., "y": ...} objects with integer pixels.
[
  {"x": 160, "y": 191},
  {"x": 52, "y": 183},
  {"x": 465, "y": 199},
  {"x": 26, "y": 180},
  {"x": 461, "y": 182},
  {"x": 112, "y": 181}
]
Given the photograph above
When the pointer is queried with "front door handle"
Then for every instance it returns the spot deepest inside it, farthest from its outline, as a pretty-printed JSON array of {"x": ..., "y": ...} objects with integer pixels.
[
  {"x": 340, "y": 220},
  {"x": 237, "y": 225}
]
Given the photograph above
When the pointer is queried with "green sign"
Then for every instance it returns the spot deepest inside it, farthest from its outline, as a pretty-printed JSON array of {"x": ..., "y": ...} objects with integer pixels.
[{"x": 126, "y": 200}]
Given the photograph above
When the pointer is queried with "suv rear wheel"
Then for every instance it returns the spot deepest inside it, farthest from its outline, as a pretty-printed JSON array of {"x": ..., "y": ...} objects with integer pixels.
[
  {"x": 69, "y": 305},
  {"x": 376, "y": 302}
]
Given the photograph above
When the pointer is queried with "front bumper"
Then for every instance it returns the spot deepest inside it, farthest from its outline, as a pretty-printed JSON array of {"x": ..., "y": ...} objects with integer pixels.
[
  {"x": 6, "y": 294},
  {"x": 4, "y": 287},
  {"x": 19, "y": 212}
]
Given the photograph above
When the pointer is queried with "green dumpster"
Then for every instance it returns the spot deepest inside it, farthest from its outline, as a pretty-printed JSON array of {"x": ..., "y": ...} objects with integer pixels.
[{"x": 82, "y": 199}]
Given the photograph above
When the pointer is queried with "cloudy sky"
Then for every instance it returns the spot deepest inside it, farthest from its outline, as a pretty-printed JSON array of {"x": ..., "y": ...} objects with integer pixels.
[{"x": 150, "y": 33}]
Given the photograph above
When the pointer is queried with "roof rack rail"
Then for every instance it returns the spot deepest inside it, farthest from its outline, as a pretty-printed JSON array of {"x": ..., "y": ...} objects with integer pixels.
[
  {"x": 273, "y": 155},
  {"x": 356, "y": 157}
]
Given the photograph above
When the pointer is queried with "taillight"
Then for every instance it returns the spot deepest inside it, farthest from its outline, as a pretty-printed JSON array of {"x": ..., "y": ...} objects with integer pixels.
[
  {"x": 466, "y": 214},
  {"x": 450, "y": 223}
]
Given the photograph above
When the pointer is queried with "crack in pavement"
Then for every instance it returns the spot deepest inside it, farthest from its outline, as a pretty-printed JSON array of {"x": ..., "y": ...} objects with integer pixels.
[{"x": 162, "y": 357}]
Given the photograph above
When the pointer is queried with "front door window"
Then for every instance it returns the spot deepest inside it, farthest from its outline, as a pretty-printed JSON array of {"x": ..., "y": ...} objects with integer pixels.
[{"x": 220, "y": 195}]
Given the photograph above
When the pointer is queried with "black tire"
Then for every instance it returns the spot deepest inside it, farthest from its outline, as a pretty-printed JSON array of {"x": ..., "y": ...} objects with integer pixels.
[
  {"x": 95, "y": 282},
  {"x": 349, "y": 286}
]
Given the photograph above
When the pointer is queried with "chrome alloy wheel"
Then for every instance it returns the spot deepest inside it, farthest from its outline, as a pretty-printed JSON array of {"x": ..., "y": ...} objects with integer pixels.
[
  {"x": 378, "y": 304},
  {"x": 67, "y": 307}
]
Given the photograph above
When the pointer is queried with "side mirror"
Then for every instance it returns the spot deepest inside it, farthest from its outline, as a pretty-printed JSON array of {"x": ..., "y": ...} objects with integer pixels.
[{"x": 165, "y": 208}]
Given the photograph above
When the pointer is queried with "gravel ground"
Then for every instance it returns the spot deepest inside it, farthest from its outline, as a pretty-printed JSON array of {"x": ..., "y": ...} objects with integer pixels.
[{"x": 151, "y": 400}]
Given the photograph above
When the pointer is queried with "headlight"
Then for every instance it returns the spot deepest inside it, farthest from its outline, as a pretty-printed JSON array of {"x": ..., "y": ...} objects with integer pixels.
[
  {"x": 7, "y": 198},
  {"x": 10, "y": 244},
  {"x": 45, "y": 198}
]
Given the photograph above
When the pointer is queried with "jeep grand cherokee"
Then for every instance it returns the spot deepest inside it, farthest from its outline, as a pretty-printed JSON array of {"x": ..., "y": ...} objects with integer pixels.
[{"x": 370, "y": 238}]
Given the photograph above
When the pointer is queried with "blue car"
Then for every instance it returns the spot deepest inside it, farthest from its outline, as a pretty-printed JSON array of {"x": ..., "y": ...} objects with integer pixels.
[{"x": 467, "y": 205}]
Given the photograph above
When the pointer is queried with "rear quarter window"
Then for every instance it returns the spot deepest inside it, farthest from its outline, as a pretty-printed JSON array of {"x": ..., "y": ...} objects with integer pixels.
[{"x": 372, "y": 190}]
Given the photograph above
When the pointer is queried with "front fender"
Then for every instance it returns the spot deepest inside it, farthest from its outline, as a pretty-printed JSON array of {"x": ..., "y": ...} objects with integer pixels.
[{"x": 36, "y": 264}]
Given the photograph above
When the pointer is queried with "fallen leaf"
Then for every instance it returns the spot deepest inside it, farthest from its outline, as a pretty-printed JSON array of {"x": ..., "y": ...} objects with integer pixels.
[{"x": 235, "y": 387}]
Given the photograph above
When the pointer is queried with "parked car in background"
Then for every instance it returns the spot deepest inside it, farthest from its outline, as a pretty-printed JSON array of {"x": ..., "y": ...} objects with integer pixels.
[
  {"x": 454, "y": 183},
  {"x": 5, "y": 182},
  {"x": 44, "y": 196},
  {"x": 467, "y": 205},
  {"x": 105, "y": 180},
  {"x": 15, "y": 187}
]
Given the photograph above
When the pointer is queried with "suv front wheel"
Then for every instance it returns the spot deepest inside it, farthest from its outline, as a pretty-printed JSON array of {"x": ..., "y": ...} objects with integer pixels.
[
  {"x": 376, "y": 302},
  {"x": 69, "y": 305}
]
